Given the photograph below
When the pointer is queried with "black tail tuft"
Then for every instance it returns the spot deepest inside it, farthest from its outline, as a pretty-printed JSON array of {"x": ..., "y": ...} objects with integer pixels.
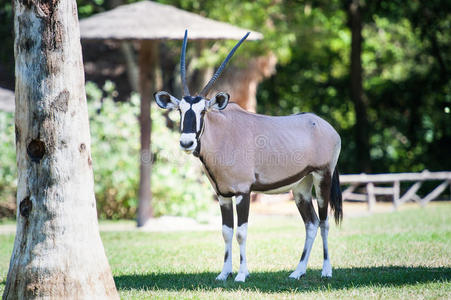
[{"x": 336, "y": 201}]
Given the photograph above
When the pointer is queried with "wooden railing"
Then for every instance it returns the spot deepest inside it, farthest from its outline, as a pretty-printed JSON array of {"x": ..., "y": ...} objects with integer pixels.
[{"x": 370, "y": 190}]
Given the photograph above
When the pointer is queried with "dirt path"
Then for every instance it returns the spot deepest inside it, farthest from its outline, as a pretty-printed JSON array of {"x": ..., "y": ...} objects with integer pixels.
[{"x": 267, "y": 206}]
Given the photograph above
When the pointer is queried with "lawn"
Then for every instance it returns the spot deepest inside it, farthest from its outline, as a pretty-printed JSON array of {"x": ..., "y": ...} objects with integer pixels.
[{"x": 404, "y": 254}]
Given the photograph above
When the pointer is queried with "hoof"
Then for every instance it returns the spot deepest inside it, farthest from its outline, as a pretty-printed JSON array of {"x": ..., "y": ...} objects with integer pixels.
[
  {"x": 296, "y": 275},
  {"x": 223, "y": 276},
  {"x": 327, "y": 271},
  {"x": 241, "y": 277}
]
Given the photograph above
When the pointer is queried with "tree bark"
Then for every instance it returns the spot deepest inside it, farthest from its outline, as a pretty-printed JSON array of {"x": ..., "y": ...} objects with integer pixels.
[
  {"x": 357, "y": 95},
  {"x": 58, "y": 252},
  {"x": 147, "y": 61}
]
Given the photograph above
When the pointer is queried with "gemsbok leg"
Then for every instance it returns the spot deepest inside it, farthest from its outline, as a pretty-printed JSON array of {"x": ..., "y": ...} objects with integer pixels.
[
  {"x": 242, "y": 210},
  {"x": 322, "y": 182},
  {"x": 303, "y": 197},
  {"x": 227, "y": 232}
]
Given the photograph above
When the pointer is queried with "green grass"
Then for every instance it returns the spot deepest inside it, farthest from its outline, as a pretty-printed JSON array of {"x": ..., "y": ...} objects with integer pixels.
[{"x": 404, "y": 254}]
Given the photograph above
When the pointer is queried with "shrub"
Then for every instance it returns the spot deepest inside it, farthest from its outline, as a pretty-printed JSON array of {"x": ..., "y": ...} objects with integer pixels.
[
  {"x": 8, "y": 167},
  {"x": 178, "y": 185}
]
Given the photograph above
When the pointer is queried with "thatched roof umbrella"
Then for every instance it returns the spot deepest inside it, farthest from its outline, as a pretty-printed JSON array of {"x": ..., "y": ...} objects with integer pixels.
[
  {"x": 149, "y": 23},
  {"x": 7, "y": 102}
]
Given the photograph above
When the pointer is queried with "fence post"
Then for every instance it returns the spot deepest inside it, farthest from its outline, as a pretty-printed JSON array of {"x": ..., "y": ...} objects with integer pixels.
[
  {"x": 396, "y": 192},
  {"x": 371, "y": 196}
]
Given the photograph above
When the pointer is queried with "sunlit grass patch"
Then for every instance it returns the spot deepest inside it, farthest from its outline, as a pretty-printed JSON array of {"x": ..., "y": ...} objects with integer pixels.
[{"x": 404, "y": 254}]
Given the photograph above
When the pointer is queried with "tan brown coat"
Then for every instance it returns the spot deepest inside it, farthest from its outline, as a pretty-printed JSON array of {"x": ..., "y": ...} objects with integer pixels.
[{"x": 243, "y": 151}]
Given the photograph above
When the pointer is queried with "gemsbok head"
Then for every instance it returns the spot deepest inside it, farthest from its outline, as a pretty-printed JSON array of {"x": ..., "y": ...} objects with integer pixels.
[{"x": 243, "y": 152}]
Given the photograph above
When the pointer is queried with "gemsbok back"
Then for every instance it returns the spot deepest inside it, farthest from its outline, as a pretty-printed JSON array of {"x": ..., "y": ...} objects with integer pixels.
[{"x": 244, "y": 152}]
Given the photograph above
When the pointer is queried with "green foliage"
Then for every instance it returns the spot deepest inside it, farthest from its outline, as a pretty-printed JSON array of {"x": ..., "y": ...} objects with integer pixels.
[
  {"x": 87, "y": 8},
  {"x": 115, "y": 154},
  {"x": 266, "y": 17},
  {"x": 406, "y": 80},
  {"x": 178, "y": 185},
  {"x": 406, "y": 65},
  {"x": 8, "y": 168},
  {"x": 6, "y": 38}
]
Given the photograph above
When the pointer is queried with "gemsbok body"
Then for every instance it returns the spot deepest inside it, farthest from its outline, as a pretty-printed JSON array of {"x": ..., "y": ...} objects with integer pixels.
[{"x": 244, "y": 152}]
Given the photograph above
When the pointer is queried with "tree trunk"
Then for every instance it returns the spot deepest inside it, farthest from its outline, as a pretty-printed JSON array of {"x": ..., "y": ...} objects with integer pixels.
[
  {"x": 131, "y": 65},
  {"x": 357, "y": 96},
  {"x": 147, "y": 62},
  {"x": 58, "y": 252}
]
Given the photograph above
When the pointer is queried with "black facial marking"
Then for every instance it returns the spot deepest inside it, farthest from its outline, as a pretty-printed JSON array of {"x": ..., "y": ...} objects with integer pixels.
[
  {"x": 189, "y": 122},
  {"x": 303, "y": 254},
  {"x": 196, "y": 152},
  {"x": 191, "y": 99},
  {"x": 202, "y": 114}
]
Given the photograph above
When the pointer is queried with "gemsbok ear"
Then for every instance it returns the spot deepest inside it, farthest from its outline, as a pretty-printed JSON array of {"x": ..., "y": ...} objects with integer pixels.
[
  {"x": 219, "y": 101},
  {"x": 166, "y": 100}
]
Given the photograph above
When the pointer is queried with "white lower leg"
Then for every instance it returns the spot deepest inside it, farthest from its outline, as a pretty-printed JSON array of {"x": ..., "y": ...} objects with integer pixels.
[
  {"x": 310, "y": 234},
  {"x": 241, "y": 235},
  {"x": 227, "y": 233},
  {"x": 327, "y": 268}
]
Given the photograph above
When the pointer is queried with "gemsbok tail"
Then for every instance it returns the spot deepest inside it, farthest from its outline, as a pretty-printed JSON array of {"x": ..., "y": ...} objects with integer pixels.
[{"x": 336, "y": 201}]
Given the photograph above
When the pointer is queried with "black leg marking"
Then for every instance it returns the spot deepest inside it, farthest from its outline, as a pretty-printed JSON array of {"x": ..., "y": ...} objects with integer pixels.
[
  {"x": 227, "y": 215},
  {"x": 241, "y": 259},
  {"x": 325, "y": 186},
  {"x": 306, "y": 210},
  {"x": 226, "y": 255},
  {"x": 242, "y": 209},
  {"x": 323, "y": 191},
  {"x": 303, "y": 255}
]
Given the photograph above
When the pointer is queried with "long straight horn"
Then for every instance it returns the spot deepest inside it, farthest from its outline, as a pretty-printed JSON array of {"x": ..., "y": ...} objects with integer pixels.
[
  {"x": 183, "y": 66},
  {"x": 209, "y": 85}
]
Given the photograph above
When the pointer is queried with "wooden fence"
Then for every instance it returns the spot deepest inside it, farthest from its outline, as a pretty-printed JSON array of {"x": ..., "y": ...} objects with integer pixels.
[{"x": 366, "y": 184}]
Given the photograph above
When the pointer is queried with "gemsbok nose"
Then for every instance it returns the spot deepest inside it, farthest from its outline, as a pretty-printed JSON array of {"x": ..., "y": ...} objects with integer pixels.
[{"x": 186, "y": 145}]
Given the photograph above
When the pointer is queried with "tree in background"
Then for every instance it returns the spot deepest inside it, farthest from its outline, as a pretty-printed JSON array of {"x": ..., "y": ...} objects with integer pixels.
[
  {"x": 404, "y": 60},
  {"x": 57, "y": 251},
  {"x": 357, "y": 94},
  {"x": 405, "y": 63},
  {"x": 6, "y": 46}
]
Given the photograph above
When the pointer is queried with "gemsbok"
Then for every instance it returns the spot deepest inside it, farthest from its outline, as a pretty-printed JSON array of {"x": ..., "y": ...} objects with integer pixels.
[{"x": 243, "y": 152}]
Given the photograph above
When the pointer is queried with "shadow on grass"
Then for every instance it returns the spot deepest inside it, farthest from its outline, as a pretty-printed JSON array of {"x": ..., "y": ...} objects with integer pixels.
[{"x": 271, "y": 282}]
